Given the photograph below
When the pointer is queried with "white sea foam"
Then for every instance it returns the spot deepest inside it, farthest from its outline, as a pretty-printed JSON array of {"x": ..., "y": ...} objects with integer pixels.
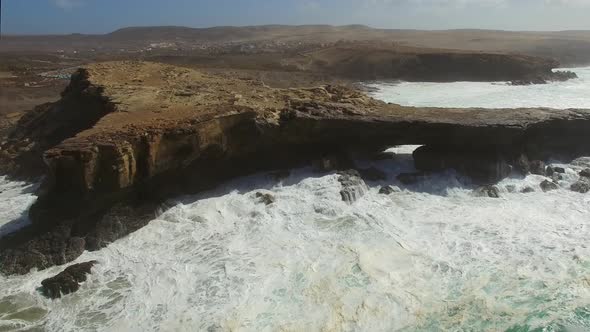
[
  {"x": 430, "y": 258},
  {"x": 569, "y": 94}
]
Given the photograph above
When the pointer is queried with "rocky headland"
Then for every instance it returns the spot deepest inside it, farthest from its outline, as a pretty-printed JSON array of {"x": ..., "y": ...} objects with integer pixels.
[{"x": 127, "y": 135}]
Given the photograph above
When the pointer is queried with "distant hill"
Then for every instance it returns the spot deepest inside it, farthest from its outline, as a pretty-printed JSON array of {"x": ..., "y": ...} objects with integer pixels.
[{"x": 569, "y": 47}]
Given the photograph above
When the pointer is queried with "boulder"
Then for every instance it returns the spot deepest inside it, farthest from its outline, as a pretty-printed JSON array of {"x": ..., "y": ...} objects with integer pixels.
[
  {"x": 581, "y": 162},
  {"x": 549, "y": 186},
  {"x": 483, "y": 166},
  {"x": 265, "y": 198},
  {"x": 487, "y": 191},
  {"x": 353, "y": 186},
  {"x": 527, "y": 190},
  {"x": 538, "y": 167},
  {"x": 560, "y": 170},
  {"x": 585, "y": 173},
  {"x": 67, "y": 281},
  {"x": 522, "y": 164},
  {"x": 582, "y": 186},
  {"x": 388, "y": 190},
  {"x": 556, "y": 177}
]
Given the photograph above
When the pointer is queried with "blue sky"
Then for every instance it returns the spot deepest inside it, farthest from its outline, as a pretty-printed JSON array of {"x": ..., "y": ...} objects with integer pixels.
[{"x": 101, "y": 16}]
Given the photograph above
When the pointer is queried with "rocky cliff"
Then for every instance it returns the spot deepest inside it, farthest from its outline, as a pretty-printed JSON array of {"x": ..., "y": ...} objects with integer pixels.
[
  {"x": 127, "y": 135},
  {"x": 372, "y": 61}
]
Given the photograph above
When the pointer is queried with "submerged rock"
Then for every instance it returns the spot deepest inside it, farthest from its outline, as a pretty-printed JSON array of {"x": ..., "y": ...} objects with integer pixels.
[
  {"x": 528, "y": 190},
  {"x": 487, "y": 191},
  {"x": 549, "y": 186},
  {"x": 511, "y": 188},
  {"x": 265, "y": 198},
  {"x": 560, "y": 170},
  {"x": 388, "y": 190},
  {"x": 581, "y": 162},
  {"x": 67, "y": 281},
  {"x": 585, "y": 173},
  {"x": 582, "y": 186},
  {"x": 556, "y": 177},
  {"x": 353, "y": 186}
]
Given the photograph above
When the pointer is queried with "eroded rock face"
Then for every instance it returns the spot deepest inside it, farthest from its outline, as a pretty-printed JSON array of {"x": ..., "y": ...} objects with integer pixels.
[
  {"x": 482, "y": 165},
  {"x": 353, "y": 186},
  {"x": 487, "y": 191},
  {"x": 549, "y": 186},
  {"x": 538, "y": 167},
  {"x": 388, "y": 190},
  {"x": 146, "y": 147},
  {"x": 67, "y": 281},
  {"x": 265, "y": 198},
  {"x": 82, "y": 105},
  {"x": 582, "y": 186}
]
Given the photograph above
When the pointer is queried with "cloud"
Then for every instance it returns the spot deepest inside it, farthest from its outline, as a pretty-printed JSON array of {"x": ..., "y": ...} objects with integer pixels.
[{"x": 67, "y": 4}]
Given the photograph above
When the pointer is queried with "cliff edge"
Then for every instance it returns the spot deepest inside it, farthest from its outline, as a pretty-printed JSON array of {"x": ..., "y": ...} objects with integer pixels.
[{"x": 127, "y": 135}]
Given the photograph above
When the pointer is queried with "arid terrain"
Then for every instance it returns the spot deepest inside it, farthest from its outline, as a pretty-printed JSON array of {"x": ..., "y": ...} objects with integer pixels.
[
  {"x": 34, "y": 69},
  {"x": 157, "y": 112}
]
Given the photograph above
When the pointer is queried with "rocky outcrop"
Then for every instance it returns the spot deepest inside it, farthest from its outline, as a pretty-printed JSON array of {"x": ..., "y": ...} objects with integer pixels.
[
  {"x": 487, "y": 191},
  {"x": 81, "y": 105},
  {"x": 106, "y": 180},
  {"x": 549, "y": 186},
  {"x": 67, "y": 281},
  {"x": 353, "y": 186},
  {"x": 582, "y": 186},
  {"x": 482, "y": 165},
  {"x": 371, "y": 62}
]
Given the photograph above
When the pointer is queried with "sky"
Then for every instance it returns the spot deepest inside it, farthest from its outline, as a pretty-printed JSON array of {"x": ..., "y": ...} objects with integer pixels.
[{"x": 103, "y": 16}]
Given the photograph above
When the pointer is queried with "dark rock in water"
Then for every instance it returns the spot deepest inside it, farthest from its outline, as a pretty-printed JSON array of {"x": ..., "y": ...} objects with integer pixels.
[
  {"x": 412, "y": 178},
  {"x": 267, "y": 199},
  {"x": 556, "y": 177},
  {"x": 483, "y": 166},
  {"x": 353, "y": 186},
  {"x": 372, "y": 174},
  {"x": 585, "y": 173},
  {"x": 67, "y": 281},
  {"x": 582, "y": 162},
  {"x": 560, "y": 170},
  {"x": 388, "y": 190},
  {"x": 531, "y": 81},
  {"x": 55, "y": 247},
  {"x": 582, "y": 186},
  {"x": 383, "y": 155},
  {"x": 528, "y": 190},
  {"x": 522, "y": 164},
  {"x": 550, "y": 171},
  {"x": 487, "y": 191},
  {"x": 538, "y": 167},
  {"x": 549, "y": 186}
]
